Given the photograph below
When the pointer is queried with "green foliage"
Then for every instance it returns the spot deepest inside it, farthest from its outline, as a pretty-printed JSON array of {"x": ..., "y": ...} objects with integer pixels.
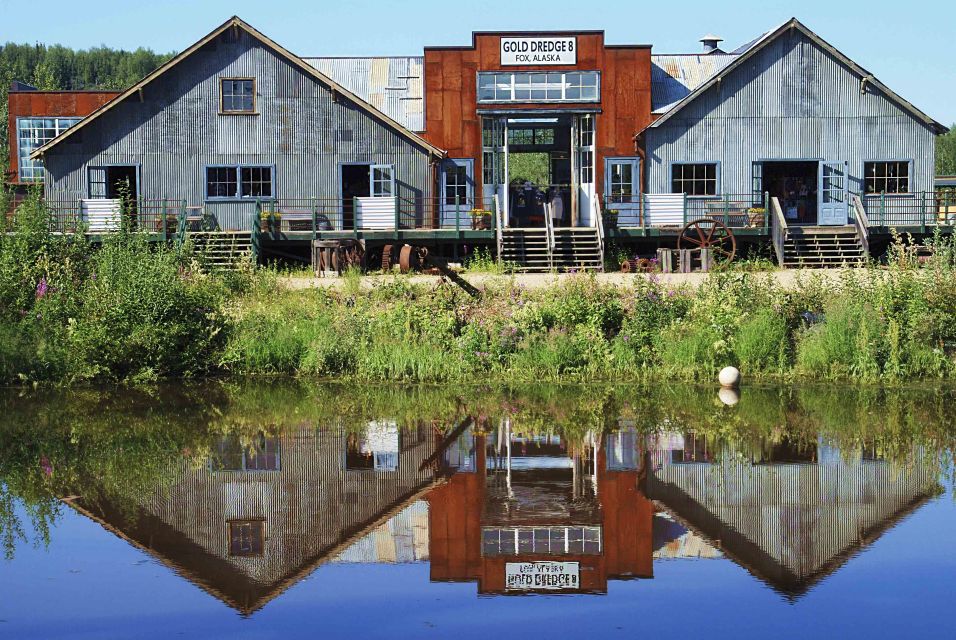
[
  {"x": 762, "y": 343},
  {"x": 524, "y": 166},
  {"x": 946, "y": 153}
]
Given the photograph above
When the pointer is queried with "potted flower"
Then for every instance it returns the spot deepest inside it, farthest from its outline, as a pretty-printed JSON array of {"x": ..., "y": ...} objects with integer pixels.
[
  {"x": 480, "y": 219},
  {"x": 610, "y": 218}
]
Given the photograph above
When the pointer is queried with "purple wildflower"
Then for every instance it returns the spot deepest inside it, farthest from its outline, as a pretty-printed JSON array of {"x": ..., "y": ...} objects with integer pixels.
[
  {"x": 46, "y": 466},
  {"x": 626, "y": 338},
  {"x": 42, "y": 288}
]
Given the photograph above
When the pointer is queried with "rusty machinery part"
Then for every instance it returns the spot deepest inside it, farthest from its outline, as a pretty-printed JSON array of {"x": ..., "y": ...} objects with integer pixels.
[
  {"x": 348, "y": 254},
  {"x": 626, "y": 266},
  {"x": 644, "y": 265},
  {"x": 388, "y": 258},
  {"x": 709, "y": 233},
  {"x": 411, "y": 258}
]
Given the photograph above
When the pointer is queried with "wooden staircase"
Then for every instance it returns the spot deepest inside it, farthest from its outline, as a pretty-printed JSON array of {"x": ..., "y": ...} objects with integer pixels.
[
  {"x": 572, "y": 248},
  {"x": 221, "y": 250},
  {"x": 823, "y": 247}
]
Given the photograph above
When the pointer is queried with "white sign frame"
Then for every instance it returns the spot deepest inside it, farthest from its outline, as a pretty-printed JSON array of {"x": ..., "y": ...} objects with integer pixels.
[
  {"x": 542, "y": 575},
  {"x": 538, "y": 51}
]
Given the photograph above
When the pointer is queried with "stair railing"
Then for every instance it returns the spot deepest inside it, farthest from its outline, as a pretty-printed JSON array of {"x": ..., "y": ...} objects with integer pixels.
[
  {"x": 600, "y": 231},
  {"x": 549, "y": 234},
  {"x": 256, "y": 230},
  {"x": 778, "y": 229},
  {"x": 862, "y": 223},
  {"x": 499, "y": 224}
]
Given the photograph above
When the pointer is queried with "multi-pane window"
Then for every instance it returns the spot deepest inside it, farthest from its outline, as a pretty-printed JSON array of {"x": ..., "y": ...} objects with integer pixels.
[
  {"x": 586, "y": 153},
  {"x": 545, "y": 540},
  {"x": 33, "y": 133},
  {"x": 232, "y": 455},
  {"x": 456, "y": 184},
  {"x": 621, "y": 181},
  {"x": 694, "y": 179},
  {"x": 382, "y": 181},
  {"x": 493, "y": 143},
  {"x": 239, "y": 182},
  {"x": 531, "y": 136},
  {"x": 237, "y": 95},
  {"x": 246, "y": 537},
  {"x": 573, "y": 86},
  {"x": 886, "y": 177}
]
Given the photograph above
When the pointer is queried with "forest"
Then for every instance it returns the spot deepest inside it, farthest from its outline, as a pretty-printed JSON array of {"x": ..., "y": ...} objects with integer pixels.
[{"x": 55, "y": 67}]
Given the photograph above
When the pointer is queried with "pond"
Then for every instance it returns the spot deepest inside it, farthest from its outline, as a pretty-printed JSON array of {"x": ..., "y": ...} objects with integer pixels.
[{"x": 279, "y": 509}]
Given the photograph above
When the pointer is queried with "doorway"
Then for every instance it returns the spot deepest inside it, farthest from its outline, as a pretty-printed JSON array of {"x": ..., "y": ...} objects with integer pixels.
[
  {"x": 114, "y": 182},
  {"x": 356, "y": 183},
  {"x": 794, "y": 184}
]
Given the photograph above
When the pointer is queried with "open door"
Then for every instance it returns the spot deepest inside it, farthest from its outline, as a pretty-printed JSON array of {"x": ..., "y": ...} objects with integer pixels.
[
  {"x": 494, "y": 159},
  {"x": 457, "y": 191},
  {"x": 833, "y": 193},
  {"x": 622, "y": 189}
]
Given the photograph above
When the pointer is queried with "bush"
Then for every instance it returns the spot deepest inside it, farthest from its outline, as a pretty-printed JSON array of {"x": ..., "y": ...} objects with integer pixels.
[
  {"x": 762, "y": 343},
  {"x": 850, "y": 342}
]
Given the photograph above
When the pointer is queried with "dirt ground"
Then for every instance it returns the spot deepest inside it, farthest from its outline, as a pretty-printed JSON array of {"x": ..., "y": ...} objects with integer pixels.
[{"x": 787, "y": 278}]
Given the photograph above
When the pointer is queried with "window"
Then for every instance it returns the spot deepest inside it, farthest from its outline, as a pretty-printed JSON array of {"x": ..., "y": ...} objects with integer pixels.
[
  {"x": 531, "y": 136},
  {"x": 456, "y": 183},
  {"x": 383, "y": 183},
  {"x": 237, "y": 95},
  {"x": 886, "y": 177},
  {"x": 544, "y": 540},
  {"x": 33, "y": 133},
  {"x": 577, "y": 86},
  {"x": 261, "y": 455},
  {"x": 586, "y": 153},
  {"x": 246, "y": 537},
  {"x": 694, "y": 179},
  {"x": 621, "y": 180},
  {"x": 239, "y": 182}
]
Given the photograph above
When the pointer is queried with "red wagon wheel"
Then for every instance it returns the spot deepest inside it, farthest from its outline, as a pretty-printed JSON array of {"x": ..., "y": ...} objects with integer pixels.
[{"x": 708, "y": 233}]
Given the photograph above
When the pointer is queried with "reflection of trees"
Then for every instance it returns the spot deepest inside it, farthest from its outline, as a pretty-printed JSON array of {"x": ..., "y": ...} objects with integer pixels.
[{"x": 125, "y": 444}]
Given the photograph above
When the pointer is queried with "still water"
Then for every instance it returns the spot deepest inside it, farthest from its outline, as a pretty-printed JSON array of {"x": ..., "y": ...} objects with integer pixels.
[{"x": 282, "y": 510}]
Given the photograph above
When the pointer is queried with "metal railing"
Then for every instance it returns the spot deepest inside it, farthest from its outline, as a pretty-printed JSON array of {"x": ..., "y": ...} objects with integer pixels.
[
  {"x": 158, "y": 217},
  {"x": 740, "y": 211},
  {"x": 549, "y": 234},
  {"x": 599, "y": 221},
  {"x": 778, "y": 230},
  {"x": 924, "y": 209},
  {"x": 317, "y": 215}
]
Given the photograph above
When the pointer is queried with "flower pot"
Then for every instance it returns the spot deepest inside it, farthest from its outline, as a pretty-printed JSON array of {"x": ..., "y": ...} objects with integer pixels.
[{"x": 480, "y": 223}]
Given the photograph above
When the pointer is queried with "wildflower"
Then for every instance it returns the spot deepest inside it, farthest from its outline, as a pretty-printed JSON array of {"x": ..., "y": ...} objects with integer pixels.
[
  {"x": 45, "y": 466},
  {"x": 626, "y": 338},
  {"x": 42, "y": 288}
]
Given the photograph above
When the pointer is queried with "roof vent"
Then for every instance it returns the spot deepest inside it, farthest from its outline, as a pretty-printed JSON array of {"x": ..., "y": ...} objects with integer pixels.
[{"x": 712, "y": 43}]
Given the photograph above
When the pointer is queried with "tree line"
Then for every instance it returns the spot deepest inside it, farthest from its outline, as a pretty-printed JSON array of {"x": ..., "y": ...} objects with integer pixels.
[{"x": 58, "y": 68}]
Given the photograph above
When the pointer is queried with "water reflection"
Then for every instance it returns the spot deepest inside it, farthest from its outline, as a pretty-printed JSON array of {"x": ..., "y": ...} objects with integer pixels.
[{"x": 515, "y": 495}]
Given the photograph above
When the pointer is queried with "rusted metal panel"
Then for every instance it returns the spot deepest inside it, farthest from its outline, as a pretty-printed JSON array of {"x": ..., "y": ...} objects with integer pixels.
[
  {"x": 303, "y": 129},
  {"x": 22, "y": 104},
  {"x": 790, "y": 100}
]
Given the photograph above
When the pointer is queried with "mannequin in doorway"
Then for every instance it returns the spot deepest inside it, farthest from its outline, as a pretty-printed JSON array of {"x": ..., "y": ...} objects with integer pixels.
[{"x": 557, "y": 206}]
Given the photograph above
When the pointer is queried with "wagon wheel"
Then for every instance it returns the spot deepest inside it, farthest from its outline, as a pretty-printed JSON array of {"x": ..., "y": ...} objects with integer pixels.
[{"x": 708, "y": 233}]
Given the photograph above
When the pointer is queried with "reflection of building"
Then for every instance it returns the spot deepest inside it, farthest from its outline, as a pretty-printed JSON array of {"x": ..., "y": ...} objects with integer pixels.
[
  {"x": 539, "y": 500},
  {"x": 791, "y": 515},
  {"x": 263, "y": 514}
]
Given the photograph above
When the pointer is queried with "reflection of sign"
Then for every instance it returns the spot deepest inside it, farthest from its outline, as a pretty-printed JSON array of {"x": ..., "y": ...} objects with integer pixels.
[
  {"x": 529, "y": 576},
  {"x": 539, "y": 51}
]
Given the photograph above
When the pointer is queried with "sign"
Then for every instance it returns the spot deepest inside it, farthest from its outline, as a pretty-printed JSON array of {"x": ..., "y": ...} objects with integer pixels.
[
  {"x": 548, "y": 576},
  {"x": 539, "y": 51}
]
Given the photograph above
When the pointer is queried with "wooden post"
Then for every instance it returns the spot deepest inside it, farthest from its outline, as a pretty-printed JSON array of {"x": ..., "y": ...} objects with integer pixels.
[
  {"x": 922, "y": 215},
  {"x": 727, "y": 210},
  {"x": 766, "y": 211},
  {"x": 882, "y": 208},
  {"x": 686, "y": 260},
  {"x": 706, "y": 259}
]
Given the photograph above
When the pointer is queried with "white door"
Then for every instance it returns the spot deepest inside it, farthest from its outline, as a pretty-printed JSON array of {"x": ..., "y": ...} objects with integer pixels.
[
  {"x": 833, "y": 194},
  {"x": 622, "y": 192},
  {"x": 495, "y": 164}
]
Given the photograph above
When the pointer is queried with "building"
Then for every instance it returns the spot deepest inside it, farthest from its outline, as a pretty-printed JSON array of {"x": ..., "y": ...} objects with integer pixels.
[
  {"x": 35, "y": 118},
  {"x": 545, "y": 145}
]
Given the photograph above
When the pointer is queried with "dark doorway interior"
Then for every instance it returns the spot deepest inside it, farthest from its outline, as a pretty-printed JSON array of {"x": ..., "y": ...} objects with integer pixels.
[
  {"x": 795, "y": 185},
  {"x": 120, "y": 179},
  {"x": 355, "y": 184}
]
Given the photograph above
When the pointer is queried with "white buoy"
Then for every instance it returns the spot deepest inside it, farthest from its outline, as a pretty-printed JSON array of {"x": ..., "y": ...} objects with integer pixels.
[
  {"x": 729, "y": 377},
  {"x": 728, "y": 396}
]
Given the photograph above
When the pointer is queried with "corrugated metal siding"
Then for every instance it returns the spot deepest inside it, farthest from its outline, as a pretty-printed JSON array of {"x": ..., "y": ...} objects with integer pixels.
[
  {"x": 791, "y": 100},
  {"x": 803, "y": 516},
  {"x": 673, "y": 77},
  {"x": 394, "y": 85},
  {"x": 310, "y": 506},
  {"x": 177, "y": 131}
]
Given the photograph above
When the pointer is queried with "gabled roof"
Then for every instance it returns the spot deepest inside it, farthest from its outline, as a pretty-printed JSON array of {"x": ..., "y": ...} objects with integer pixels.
[
  {"x": 673, "y": 77},
  {"x": 238, "y": 23},
  {"x": 749, "y": 50}
]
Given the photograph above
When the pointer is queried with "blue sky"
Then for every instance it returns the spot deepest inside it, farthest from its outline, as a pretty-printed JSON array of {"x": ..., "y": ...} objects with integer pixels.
[{"x": 907, "y": 45}]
